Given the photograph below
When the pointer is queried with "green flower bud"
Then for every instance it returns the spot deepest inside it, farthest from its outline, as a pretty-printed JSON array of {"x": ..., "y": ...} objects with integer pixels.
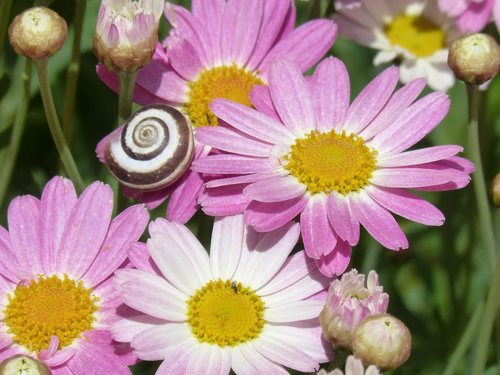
[
  {"x": 37, "y": 33},
  {"x": 22, "y": 364},
  {"x": 495, "y": 190}
]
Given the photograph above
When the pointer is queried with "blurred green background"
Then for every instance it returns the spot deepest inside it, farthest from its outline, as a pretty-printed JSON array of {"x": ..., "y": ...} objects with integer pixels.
[{"x": 434, "y": 286}]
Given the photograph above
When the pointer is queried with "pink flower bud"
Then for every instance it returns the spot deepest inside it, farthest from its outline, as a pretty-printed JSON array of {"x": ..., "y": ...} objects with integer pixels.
[
  {"x": 37, "y": 33},
  {"x": 353, "y": 366},
  {"x": 383, "y": 341},
  {"x": 348, "y": 303},
  {"x": 126, "y": 33}
]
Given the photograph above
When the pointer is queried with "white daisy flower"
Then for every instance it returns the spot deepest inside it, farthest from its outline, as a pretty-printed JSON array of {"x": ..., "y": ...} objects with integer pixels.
[{"x": 414, "y": 32}]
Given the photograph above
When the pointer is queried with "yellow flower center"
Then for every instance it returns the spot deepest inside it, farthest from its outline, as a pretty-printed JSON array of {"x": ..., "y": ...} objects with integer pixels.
[
  {"x": 228, "y": 82},
  {"x": 225, "y": 313},
  {"x": 327, "y": 162},
  {"x": 416, "y": 34},
  {"x": 49, "y": 306}
]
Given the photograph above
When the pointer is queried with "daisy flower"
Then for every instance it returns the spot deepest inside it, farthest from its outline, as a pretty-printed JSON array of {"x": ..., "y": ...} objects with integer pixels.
[
  {"x": 57, "y": 299},
  {"x": 305, "y": 151},
  {"x": 248, "y": 306},
  {"x": 414, "y": 32},
  {"x": 472, "y": 15},
  {"x": 219, "y": 50}
]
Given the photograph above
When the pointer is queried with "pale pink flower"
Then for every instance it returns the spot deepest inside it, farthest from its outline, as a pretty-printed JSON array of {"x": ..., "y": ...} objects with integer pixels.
[
  {"x": 248, "y": 306},
  {"x": 57, "y": 298},
  {"x": 305, "y": 151},
  {"x": 348, "y": 303},
  {"x": 472, "y": 15},
  {"x": 127, "y": 32},
  {"x": 220, "y": 49},
  {"x": 353, "y": 366}
]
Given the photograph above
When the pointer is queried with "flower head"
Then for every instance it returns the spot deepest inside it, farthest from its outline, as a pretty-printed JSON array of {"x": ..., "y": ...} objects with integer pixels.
[
  {"x": 472, "y": 15},
  {"x": 127, "y": 32},
  {"x": 57, "y": 296},
  {"x": 37, "y": 33},
  {"x": 415, "y": 32},
  {"x": 382, "y": 340},
  {"x": 348, "y": 303},
  {"x": 353, "y": 366},
  {"x": 248, "y": 305},
  {"x": 305, "y": 151},
  {"x": 221, "y": 49}
]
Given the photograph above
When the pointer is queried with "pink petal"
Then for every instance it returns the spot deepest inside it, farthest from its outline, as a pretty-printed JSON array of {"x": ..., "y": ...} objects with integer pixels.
[
  {"x": 244, "y": 179},
  {"x": 317, "y": 233},
  {"x": 240, "y": 28},
  {"x": 184, "y": 59},
  {"x": 275, "y": 189},
  {"x": 291, "y": 97},
  {"x": 330, "y": 94},
  {"x": 304, "y": 46},
  {"x": 25, "y": 233},
  {"x": 407, "y": 205},
  {"x": 152, "y": 343},
  {"x": 176, "y": 360},
  {"x": 477, "y": 15},
  {"x": 261, "y": 100},
  {"x": 336, "y": 262},
  {"x": 91, "y": 359},
  {"x": 151, "y": 199},
  {"x": 126, "y": 228},
  {"x": 251, "y": 122},
  {"x": 264, "y": 217},
  {"x": 211, "y": 11},
  {"x": 229, "y": 140},
  {"x": 57, "y": 202},
  {"x": 420, "y": 156},
  {"x": 371, "y": 100},
  {"x": 398, "y": 103},
  {"x": 413, "y": 124},
  {"x": 295, "y": 311},
  {"x": 415, "y": 177},
  {"x": 126, "y": 328},
  {"x": 138, "y": 254},
  {"x": 342, "y": 219},
  {"x": 231, "y": 164},
  {"x": 227, "y": 200},
  {"x": 274, "y": 18},
  {"x": 246, "y": 360},
  {"x": 378, "y": 221},
  {"x": 9, "y": 265},
  {"x": 85, "y": 230},
  {"x": 227, "y": 231}
]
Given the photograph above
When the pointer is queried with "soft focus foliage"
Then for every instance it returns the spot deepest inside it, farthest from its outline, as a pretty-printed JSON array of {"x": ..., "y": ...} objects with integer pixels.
[{"x": 434, "y": 286}]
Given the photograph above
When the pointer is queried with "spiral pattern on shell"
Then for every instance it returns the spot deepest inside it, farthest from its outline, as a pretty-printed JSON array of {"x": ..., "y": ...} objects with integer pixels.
[{"x": 154, "y": 150}]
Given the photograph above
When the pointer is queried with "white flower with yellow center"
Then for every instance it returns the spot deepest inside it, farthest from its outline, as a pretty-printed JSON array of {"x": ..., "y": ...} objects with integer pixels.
[
  {"x": 415, "y": 32},
  {"x": 247, "y": 306}
]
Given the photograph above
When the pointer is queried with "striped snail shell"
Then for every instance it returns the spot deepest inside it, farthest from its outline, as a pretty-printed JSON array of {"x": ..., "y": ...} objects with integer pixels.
[{"x": 154, "y": 150}]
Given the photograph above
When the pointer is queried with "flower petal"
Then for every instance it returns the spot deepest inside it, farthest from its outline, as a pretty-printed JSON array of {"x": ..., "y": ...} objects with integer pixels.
[
  {"x": 261, "y": 100},
  {"x": 91, "y": 359},
  {"x": 152, "y": 343},
  {"x": 125, "y": 329},
  {"x": 415, "y": 177},
  {"x": 227, "y": 200},
  {"x": 293, "y": 311},
  {"x": 341, "y": 218},
  {"x": 275, "y": 189},
  {"x": 335, "y": 262},
  {"x": 184, "y": 59},
  {"x": 231, "y": 164},
  {"x": 420, "y": 156}
]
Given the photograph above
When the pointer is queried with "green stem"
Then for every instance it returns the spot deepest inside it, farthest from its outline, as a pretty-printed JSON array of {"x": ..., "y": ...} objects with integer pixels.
[
  {"x": 465, "y": 341},
  {"x": 5, "y": 9},
  {"x": 478, "y": 181},
  {"x": 125, "y": 97},
  {"x": 55, "y": 127},
  {"x": 73, "y": 70},
  {"x": 491, "y": 306},
  {"x": 17, "y": 132}
]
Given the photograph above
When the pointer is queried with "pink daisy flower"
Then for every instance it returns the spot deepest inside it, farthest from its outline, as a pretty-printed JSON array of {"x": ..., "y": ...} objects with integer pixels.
[
  {"x": 57, "y": 299},
  {"x": 305, "y": 151},
  {"x": 472, "y": 15},
  {"x": 219, "y": 50},
  {"x": 248, "y": 306}
]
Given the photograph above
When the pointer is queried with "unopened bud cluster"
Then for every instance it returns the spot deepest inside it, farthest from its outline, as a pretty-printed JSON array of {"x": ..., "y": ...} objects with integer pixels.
[
  {"x": 354, "y": 319},
  {"x": 37, "y": 33},
  {"x": 474, "y": 58}
]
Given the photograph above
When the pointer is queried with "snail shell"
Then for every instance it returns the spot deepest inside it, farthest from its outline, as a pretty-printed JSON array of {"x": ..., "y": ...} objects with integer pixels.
[{"x": 154, "y": 150}]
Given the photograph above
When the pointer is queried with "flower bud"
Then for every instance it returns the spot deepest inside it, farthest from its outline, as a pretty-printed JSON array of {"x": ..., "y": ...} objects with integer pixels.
[
  {"x": 22, "y": 364},
  {"x": 474, "y": 58},
  {"x": 495, "y": 190},
  {"x": 348, "y": 303},
  {"x": 353, "y": 366},
  {"x": 383, "y": 341},
  {"x": 126, "y": 33},
  {"x": 37, "y": 33}
]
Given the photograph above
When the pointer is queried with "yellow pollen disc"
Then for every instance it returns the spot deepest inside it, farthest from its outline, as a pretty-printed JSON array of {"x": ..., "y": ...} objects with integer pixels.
[
  {"x": 228, "y": 82},
  {"x": 49, "y": 306},
  {"x": 225, "y": 314},
  {"x": 416, "y": 34},
  {"x": 331, "y": 161}
]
